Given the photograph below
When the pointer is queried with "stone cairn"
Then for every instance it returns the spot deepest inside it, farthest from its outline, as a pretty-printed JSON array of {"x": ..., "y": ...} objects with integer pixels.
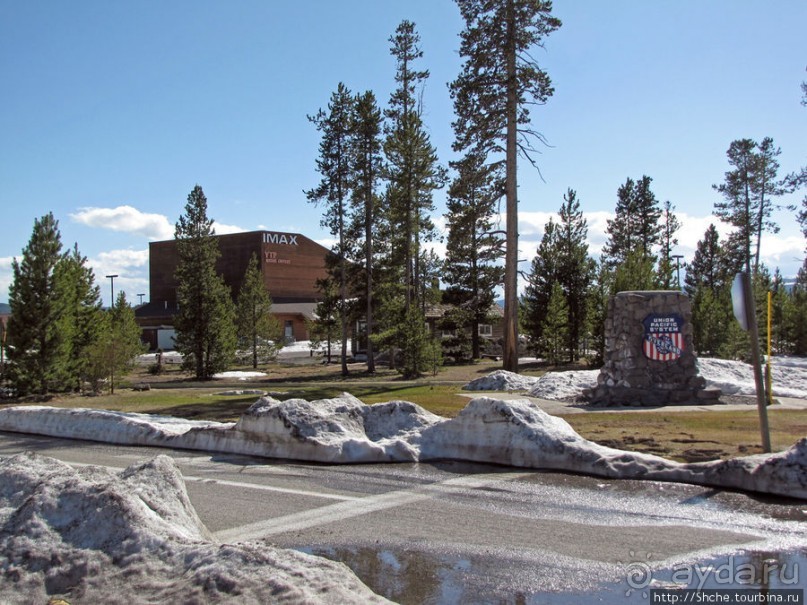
[{"x": 649, "y": 357}]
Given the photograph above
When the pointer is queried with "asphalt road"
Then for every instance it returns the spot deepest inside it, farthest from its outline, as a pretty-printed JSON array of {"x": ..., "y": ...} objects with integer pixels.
[{"x": 468, "y": 533}]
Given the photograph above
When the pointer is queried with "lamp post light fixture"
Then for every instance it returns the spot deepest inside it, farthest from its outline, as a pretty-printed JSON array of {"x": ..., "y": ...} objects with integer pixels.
[
  {"x": 141, "y": 298},
  {"x": 678, "y": 258},
  {"x": 111, "y": 279}
]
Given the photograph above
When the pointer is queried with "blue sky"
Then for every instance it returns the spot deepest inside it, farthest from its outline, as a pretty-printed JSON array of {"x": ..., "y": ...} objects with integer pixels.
[{"x": 112, "y": 111}]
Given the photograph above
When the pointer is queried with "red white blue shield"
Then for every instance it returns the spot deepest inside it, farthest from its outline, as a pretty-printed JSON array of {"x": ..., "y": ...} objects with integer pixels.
[{"x": 663, "y": 337}]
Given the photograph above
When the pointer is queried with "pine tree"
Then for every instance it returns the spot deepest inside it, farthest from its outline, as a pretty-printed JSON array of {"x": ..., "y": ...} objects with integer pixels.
[
  {"x": 258, "y": 330},
  {"x": 635, "y": 272},
  {"x": 669, "y": 227},
  {"x": 79, "y": 299},
  {"x": 35, "y": 349},
  {"x": 706, "y": 269},
  {"x": 635, "y": 226},
  {"x": 366, "y": 160},
  {"x": 562, "y": 259},
  {"x": 412, "y": 169},
  {"x": 555, "y": 327},
  {"x": 205, "y": 323},
  {"x": 748, "y": 190},
  {"x": 334, "y": 164},
  {"x": 575, "y": 269},
  {"x": 498, "y": 83},
  {"x": 542, "y": 278},
  {"x": 471, "y": 248},
  {"x": 112, "y": 353}
]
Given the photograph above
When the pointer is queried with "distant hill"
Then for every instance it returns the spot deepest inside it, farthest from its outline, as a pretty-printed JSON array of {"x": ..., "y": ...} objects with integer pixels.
[{"x": 4, "y": 309}]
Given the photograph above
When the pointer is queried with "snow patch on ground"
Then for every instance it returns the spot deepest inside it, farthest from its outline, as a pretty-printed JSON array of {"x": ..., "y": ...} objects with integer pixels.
[
  {"x": 238, "y": 375},
  {"x": 501, "y": 380},
  {"x": 344, "y": 430},
  {"x": 94, "y": 536},
  {"x": 732, "y": 377}
]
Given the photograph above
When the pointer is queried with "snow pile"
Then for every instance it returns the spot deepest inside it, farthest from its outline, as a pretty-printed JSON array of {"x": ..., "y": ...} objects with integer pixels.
[
  {"x": 344, "y": 430},
  {"x": 789, "y": 376},
  {"x": 94, "y": 536},
  {"x": 731, "y": 377},
  {"x": 336, "y": 430},
  {"x": 238, "y": 375},
  {"x": 563, "y": 385},
  {"x": 501, "y": 380}
]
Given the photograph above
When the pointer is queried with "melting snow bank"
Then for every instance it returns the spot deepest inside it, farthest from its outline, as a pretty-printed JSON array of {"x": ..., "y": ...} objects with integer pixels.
[
  {"x": 344, "y": 430},
  {"x": 94, "y": 536},
  {"x": 731, "y": 377},
  {"x": 502, "y": 380}
]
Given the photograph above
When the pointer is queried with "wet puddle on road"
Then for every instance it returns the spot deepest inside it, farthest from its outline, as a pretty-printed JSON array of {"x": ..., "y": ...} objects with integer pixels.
[{"x": 412, "y": 576}]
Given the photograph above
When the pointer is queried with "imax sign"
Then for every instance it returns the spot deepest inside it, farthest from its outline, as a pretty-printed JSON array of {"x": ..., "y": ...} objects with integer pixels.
[{"x": 280, "y": 238}]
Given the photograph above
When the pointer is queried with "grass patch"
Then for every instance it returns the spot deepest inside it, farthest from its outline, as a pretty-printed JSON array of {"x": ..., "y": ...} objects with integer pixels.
[{"x": 691, "y": 436}]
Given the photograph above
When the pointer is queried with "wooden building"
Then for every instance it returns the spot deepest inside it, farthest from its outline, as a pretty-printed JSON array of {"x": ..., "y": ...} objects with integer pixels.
[{"x": 290, "y": 263}]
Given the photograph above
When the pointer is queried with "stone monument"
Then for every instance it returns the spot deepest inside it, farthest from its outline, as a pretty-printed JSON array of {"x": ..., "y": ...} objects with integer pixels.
[{"x": 649, "y": 356}]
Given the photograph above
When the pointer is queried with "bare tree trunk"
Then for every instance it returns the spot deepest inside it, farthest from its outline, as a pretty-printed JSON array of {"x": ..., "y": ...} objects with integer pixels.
[{"x": 511, "y": 192}]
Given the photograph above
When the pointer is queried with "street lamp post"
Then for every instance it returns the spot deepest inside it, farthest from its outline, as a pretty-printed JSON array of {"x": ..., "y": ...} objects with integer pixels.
[
  {"x": 112, "y": 308},
  {"x": 678, "y": 258},
  {"x": 111, "y": 279},
  {"x": 141, "y": 298}
]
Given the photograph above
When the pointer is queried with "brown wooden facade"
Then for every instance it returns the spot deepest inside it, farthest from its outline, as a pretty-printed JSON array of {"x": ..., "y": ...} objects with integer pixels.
[{"x": 290, "y": 263}]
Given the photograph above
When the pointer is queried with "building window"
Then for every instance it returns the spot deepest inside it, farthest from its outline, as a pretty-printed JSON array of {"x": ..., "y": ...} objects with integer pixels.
[{"x": 485, "y": 330}]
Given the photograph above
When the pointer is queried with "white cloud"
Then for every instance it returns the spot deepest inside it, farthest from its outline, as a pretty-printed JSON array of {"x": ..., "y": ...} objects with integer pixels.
[
  {"x": 222, "y": 229},
  {"x": 5, "y": 277},
  {"x": 126, "y": 219},
  {"x": 131, "y": 268}
]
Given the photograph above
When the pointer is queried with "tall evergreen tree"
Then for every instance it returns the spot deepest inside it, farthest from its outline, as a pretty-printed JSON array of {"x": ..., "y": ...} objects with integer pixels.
[
  {"x": 34, "y": 340},
  {"x": 258, "y": 329},
  {"x": 748, "y": 191},
  {"x": 668, "y": 271},
  {"x": 636, "y": 224},
  {"x": 412, "y": 168},
  {"x": 333, "y": 190},
  {"x": 498, "y": 83},
  {"x": 79, "y": 299},
  {"x": 366, "y": 151},
  {"x": 576, "y": 270},
  {"x": 707, "y": 283},
  {"x": 706, "y": 269},
  {"x": 205, "y": 322},
  {"x": 472, "y": 250},
  {"x": 542, "y": 278},
  {"x": 562, "y": 260}
]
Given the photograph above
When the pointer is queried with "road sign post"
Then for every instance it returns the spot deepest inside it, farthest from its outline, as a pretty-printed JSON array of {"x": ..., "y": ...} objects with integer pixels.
[{"x": 743, "y": 301}]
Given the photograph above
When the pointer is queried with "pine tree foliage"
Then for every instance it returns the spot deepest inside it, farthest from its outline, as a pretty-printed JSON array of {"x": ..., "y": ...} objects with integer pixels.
[
  {"x": 576, "y": 270},
  {"x": 555, "y": 327},
  {"x": 259, "y": 331},
  {"x": 543, "y": 276},
  {"x": 412, "y": 169},
  {"x": 563, "y": 260},
  {"x": 334, "y": 189},
  {"x": 367, "y": 164},
  {"x": 636, "y": 224},
  {"x": 472, "y": 250},
  {"x": 205, "y": 322},
  {"x": 499, "y": 83},
  {"x": 35, "y": 343},
  {"x": 748, "y": 191},
  {"x": 79, "y": 299},
  {"x": 668, "y": 270}
]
